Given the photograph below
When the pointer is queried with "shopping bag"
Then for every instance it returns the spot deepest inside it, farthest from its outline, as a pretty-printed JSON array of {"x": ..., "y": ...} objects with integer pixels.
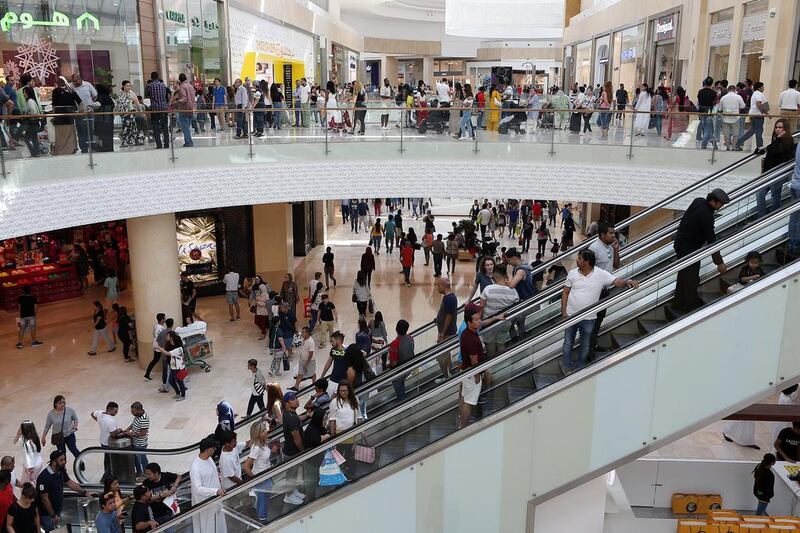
[
  {"x": 337, "y": 455},
  {"x": 363, "y": 452},
  {"x": 306, "y": 307},
  {"x": 182, "y": 373},
  {"x": 330, "y": 475},
  {"x": 285, "y": 363}
]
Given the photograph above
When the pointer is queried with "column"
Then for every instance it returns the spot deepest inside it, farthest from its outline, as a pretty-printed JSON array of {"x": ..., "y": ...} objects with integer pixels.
[
  {"x": 154, "y": 276},
  {"x": 273, "y": 243},
  {"x": 427, "y": 71},
  {"x": 389, "y": 70}
]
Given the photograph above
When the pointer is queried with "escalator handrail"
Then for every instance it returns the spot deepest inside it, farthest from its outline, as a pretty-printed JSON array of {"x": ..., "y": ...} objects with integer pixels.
[
  {"x": 449, "y": 344},
  {"x": 589, "y": 312}
]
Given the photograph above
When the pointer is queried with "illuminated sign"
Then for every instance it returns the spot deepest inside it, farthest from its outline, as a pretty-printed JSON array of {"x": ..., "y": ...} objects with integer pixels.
[
  {"x": 629, "y": 54},
  {"x": 665, "y": 28},
  {"x": 58, "y": 20},
  {"x": 197, "y": 247}
]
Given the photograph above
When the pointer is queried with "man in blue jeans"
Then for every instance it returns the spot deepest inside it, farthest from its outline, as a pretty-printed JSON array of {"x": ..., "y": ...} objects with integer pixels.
[
  {"x": 758, "y": 107},
  {"x": 183, "y": 102},
  {"x": 581, "y": 290},
  {"x": 706, "y": 99}
]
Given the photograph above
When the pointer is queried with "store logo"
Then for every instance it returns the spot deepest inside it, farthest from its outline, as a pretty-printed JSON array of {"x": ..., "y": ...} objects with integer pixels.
[
  {"x": 665, "y": 28},
  {"x": 628, "y": 54},
  {"x": 195, "y": 22},
  {"x": 210, "y": 26},
  {"x": 27, "y": 21},
  {"x": 176, "y": 16}
]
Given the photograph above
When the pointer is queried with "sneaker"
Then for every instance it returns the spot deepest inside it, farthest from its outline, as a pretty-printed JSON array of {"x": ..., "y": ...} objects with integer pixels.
[
  {"x": 88, "y": 353},
  {"x": 148, "y": 378},
  {"x": 19, "y": 346},
  {"x": 180, "y": 398},
  {"x": 112, "y": 349},
  {"x": 163, "y": 389},
  {"x": 36, "y": 343},
  {"x": 299, "y": 494},
  {"x": 175, "y": 397},
  {"x": 292, "y": 500},
  {"x": 441, "y": 380}
]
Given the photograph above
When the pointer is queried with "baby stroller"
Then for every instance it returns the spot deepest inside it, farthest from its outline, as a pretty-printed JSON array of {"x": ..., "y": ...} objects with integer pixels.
[
  {"x": 44, "y": 141},
  {"x": 546, "y": 118},
  {"x": 438, "y": 119},
  {"x": 513, "y": 121}
]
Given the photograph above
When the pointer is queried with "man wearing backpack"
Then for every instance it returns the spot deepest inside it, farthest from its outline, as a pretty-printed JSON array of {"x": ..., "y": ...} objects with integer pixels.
[{"x": 521, "y": 280}]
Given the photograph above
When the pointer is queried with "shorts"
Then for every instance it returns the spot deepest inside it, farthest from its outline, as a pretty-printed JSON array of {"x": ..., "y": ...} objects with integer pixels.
[
  {"x": 232, "y": 297},
  {"x": 309, "y": 370},
  {"x": 27, "y": 322},
  {"x": 470, "y": 390}
]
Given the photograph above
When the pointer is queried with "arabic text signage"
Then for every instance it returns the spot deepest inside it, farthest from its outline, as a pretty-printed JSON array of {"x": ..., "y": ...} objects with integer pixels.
[
  {"x": 11, "y": 20},
  {"x": 175, "y": 16}
]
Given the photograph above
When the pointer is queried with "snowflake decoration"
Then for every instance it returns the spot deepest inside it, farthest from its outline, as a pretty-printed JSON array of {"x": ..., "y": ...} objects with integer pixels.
[
  {"x": 37, "y": 58},
  {"x": 12, "y": 72}
]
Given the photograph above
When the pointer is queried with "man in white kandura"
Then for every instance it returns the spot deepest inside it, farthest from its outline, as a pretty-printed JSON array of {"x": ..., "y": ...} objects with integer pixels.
[{"x": 206, "y": 484}]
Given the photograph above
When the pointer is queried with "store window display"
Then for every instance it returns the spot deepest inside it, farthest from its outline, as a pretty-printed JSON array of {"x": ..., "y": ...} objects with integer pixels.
[
  {"x": 720, "y": 43},
  {"x": 754, "y": 25},
  {"x": 628, "y": 67},
  {"x": 46, "y": 39},
  {"x": 583, "y": 63}
]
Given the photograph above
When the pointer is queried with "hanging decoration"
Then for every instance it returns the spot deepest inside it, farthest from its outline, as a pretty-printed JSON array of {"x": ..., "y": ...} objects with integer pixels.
[
  {"x": 37, "y": 58},
  {"x": 12, "y": 72}
]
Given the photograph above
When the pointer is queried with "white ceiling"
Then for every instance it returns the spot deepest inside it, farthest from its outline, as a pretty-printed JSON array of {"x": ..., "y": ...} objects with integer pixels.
[{"x": 413, "y": 10}]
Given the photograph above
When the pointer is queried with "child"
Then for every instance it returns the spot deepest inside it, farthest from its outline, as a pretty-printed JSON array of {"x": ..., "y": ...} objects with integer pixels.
[
  {"x": 554, "y": 249},
  {"x": 752, "y": 270}
]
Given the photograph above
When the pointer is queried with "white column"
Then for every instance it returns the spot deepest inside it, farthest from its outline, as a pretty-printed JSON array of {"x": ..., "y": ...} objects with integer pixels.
[
  {"x": 427, "y": 71},
  {"x": 154, "y": 275}
]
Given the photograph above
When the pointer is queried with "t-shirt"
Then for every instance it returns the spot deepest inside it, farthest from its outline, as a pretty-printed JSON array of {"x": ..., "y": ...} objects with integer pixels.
[
  {"x": 339, "y": 370},
  {"x": 758, "y": 96},
  {"x": 27, "y": 304},
  {"x": 164, "y": 483},
  {"x": 52, "y": 484},
  {"x": 107, "y": 425},
  {"x": 604, "y": 255},
  {"x": 470, "y": 344},
  {"x": 230, "y": 466},
  {"x": 24, "y": 519},
  {"x": 107, "y": 522},
  {"x": 388, "y": 228},
  {"x": 260, "y": 456},
  {"x": 790, "y": 443},
  {"x": 585, "y": 290},
  {"x": 7, "y": 499},
  {"x": 291, "y": 423},
  {"x": 401, "y": 349},
  {"x": 141, "y": 422},
  {"x": 731, "y": 103},
  {"x": 141, "y": 512},
  {"x": 231, "y": 281},
  {"x": 407, "y": 256},
  {"x": 706, "y": 98},
  {"x": 484, "y": 216},
  {"x": 789, "y": 99},
  {"x": 449, "y": 306},
  {"x": 326, "y": 311},
  {"x": 327, "y": 259},
  {"x": 219, "y": 95},
  {"x": 438, "y": 247},
  {"x": 442, "y": 91},
  {"x": 306, "y": 348},
  {"x": 497, "y": 298}
]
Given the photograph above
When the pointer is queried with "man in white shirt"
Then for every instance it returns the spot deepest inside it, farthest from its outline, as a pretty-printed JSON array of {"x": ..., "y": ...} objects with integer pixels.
[
  {"x": 581, "y": 290},
  {"x": 443, "y": 91},
  {"x": 230, "y": 467},
  {"x": 242, "y": 100},
  {"x": 386, "y": 98},
  {"x": 88, "y": 96},
  {"x": 730, "y": 104},
  {"x": 484, "y": 216},
  {"x": 231, "y": 281},
  {"x": 108, "y": 429},
  {"x": 158, "y": 327},
  {"x": 758, "y": 107},
  {"x": 495, "y": 299},
  {"x": 306, "y": 365},
  {"x": 303, "y": 92},
  {"x": 789, "y": 102}
]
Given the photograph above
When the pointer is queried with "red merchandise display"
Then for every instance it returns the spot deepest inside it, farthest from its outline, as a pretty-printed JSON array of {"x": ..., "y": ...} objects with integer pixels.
[{"x": 49, "y": 283}]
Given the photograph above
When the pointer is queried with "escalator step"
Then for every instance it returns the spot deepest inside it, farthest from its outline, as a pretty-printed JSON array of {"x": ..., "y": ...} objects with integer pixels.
[
  {"x": 648, "y": 326},
  {"x": 415, "y": 442},
  {"x": 440, "y": 431},
  {"x": 517, "y": 393},
  {"x": 543, "y": 379},
  {"x": 623, "y": 339},
  {"x": 673, "y": 313},
  {"x": 492, "y": 405},
  {"x": 389, "y": 454}
]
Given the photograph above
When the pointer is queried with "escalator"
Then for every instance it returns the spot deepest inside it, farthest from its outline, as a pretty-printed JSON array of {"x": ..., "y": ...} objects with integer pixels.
[
  {"x": 538, "y": 430},
  {"x": 641, "y": 258}
]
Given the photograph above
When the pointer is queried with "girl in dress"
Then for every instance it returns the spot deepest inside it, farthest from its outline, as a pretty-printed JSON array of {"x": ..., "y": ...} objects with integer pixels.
[{"x": 28, "y": 438}]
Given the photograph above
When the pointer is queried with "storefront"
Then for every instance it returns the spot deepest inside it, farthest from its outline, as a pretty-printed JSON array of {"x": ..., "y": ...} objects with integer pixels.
[
  {"x": 46, "y": 39},
  {"x": 304, "y": 216},
  {"x": 409, "y": 71},
  {"x": 193, "y": 41},
  {"x": 628, "y": 58},
  {"x": 719, "y": 43},
  {"x": 753, "y": 28},
  {"x": 664, "y": 50},
  {"x": 454, "y": 70},
  {"x": 264, "y": 49},
  {"x": 601, "y": 59},
  {"x": 583, "y": 63}
]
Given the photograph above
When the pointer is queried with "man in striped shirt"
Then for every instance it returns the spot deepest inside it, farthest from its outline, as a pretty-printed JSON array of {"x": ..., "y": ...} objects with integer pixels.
[{"x": 138, "y": 431}]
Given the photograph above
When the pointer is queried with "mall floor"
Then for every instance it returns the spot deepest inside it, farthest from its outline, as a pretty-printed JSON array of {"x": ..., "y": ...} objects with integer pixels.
[{"x": 33, "y": 376}]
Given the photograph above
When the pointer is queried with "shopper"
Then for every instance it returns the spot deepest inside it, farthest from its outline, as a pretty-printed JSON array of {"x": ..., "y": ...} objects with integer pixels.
[
  {"x": 50, "y": 487},
  {"x": 27, "y": 316},
  {"x": 606, "y": 253},
  {"x": 344, "y": 413},
  {"x": 232, "y": 286},
  {"x": 292, "y": 446},
  {"x": 162, "y": 486},
  {"x": 258, "y": 460},
  {"x": 696, "y": 230},
  {"x": 100, "y": 329},
  {"x": 781, "y": 150},
  {"x": 328, "y": 267},
  {"x": 161, "y": 342},
  {"x": 108, "y": 429},
  {"x": 257, "y": 388},
  {"x": 306, "y": 364},
  {"x": 206, "y": 484},
  {"x": 787, "y": 445},
  {"x": 581, "y": 290},
  {"x": 764, "y": 483},
  {"x": 336, "y": 360},
  {"x": 183, "y": 102},
  {"x": 368, "y": 264},
  {"x": 446, "y": 326},
  {"x": 23, "y": 516},
  {"x": 789, "y": 103},
  {"x": 64, "y": 422},
  {"x": 156, "y": 91},
  {"x": 472, "y": 355},
  {"x": 494, "y": 300},
  {"x": 158, "y": 327},
  {"x": 327, "y": 320},
  {"x": 65, "y": 102},
  {"x": 28, "y": 439},
  {"x": 730, "y": 105},
  {"x": 177, "y": 366},
  {"x": 361, "y": 293},
  {"x": 758, "y": 108},
  {"x": 125, "y": 333},
  {"x": 139, "y": 432}
]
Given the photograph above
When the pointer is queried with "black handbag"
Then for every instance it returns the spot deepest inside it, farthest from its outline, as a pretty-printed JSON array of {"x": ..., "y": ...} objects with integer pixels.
[
  {"x": 371, "y": 306},
  {"x": 58, "y": 437},
  {"x": 285, "y": 363}
]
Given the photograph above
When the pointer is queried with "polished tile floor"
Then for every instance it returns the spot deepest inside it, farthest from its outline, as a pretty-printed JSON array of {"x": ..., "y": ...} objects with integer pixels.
[{"x": 32, "y": 376}]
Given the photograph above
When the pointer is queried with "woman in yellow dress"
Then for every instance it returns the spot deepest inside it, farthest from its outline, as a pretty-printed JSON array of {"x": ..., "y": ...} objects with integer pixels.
[{"x": 493, "y": 104}]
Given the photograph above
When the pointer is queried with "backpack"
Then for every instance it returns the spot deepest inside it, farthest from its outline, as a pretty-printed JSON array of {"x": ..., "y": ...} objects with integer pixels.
[{"x": 526, "y": 288}]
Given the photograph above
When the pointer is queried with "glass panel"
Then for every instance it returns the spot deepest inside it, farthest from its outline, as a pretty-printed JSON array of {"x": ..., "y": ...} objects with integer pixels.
[{"x": 583, "y": 63}]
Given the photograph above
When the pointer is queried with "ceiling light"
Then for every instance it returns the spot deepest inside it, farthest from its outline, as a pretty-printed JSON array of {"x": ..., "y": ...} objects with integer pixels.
[{"x": 505, "y": 19}]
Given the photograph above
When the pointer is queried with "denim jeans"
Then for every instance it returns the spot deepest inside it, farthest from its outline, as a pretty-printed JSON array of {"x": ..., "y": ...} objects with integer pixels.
[
  {"x": 605, "y": 120},
  {"x": 707, "y": 124},
  {"x": 585, "y": 327},
  {"x": 276, "y": 116},
  {"x": 185, "y": 124},
  {"x": 139, "y": 460},
  {"x": 81, "y": 125},
  {"x": 761, "y": 508},
  {"x": 262, "y": 499},
  {"x": 466, "y": 123},
  {"x": 757, "y": 129},
  {"x": 775, "y": 190},
  {"x": 241, "y": 129},
  {"x": 794, "y": 225},
  {"x": 376, "y": 242},
  {"x": 69, "y": 442}
]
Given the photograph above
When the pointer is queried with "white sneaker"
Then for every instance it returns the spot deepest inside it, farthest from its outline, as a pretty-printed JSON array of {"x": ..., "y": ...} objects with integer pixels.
[
  {"x": 292, "y": 500},
  {"x": 298, "y": 494}
]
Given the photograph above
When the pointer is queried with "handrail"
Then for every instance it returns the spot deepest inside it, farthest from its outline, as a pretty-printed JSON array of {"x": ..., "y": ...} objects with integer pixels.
[
  {"x": 427, "y": 355},
  {"x": 567, "y": 322}
]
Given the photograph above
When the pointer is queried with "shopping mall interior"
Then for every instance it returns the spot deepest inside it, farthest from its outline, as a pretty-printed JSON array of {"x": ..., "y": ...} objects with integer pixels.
[{"x": 400, "y": 265}]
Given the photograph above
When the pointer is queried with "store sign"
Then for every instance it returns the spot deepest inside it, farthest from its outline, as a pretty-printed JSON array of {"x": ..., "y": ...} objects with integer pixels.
[
  {"x": 175, "y": 16},
  {"x": 58, "y": 20},
  {"x": 665, "y": 28},
  {"x": 628, "y": 55},
  {"x": 210, "y": 25},
  {"x": 753, "y": 27},
  {"x": 197, "y": 247},
  {"x": 195, "y": 22},
  {"x": 720, "y": 33},
  {"x": 288, "y": 85}
]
